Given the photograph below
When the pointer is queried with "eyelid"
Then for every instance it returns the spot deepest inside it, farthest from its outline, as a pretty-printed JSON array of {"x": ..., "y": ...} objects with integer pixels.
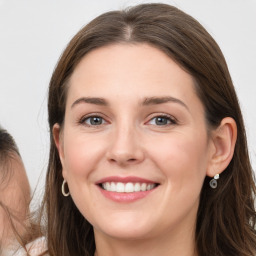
[
  {"x": 82, "y": 119},
  {"x": 172, "y": 119},
  {"x": 96, "y": 114}
]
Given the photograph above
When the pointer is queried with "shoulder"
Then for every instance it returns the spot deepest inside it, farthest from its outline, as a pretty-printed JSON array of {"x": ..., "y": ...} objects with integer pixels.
[{"x": 34, "y": 248}]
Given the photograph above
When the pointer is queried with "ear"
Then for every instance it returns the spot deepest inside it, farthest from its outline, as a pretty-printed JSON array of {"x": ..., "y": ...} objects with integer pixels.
[
  {"x": 58, "y": 140},
  {"x": 224, "y": 140}
]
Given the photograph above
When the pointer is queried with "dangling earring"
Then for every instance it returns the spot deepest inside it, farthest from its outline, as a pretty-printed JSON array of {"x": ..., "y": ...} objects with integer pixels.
[
  {"x": 213, "y": 182},
  {"x": 63, "y": 188}
]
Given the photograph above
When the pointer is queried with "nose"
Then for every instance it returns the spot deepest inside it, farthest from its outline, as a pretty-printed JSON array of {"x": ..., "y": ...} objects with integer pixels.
[{"x": 125, "y": 147}]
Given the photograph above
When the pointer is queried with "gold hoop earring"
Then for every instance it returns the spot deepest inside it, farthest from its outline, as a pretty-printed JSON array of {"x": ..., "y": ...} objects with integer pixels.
[
  {"x": 63, "y": 189},
  {"x": 213, "y": 182}
]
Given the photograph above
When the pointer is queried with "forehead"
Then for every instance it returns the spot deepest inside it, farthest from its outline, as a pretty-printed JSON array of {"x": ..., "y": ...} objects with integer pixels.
[{"x": 123, "y": 69}]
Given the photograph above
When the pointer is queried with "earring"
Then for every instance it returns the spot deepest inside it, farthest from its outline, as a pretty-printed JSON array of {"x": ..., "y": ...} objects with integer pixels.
[
  {"x": 213, "y": 182},
  {"x": 63, "y": 188}
]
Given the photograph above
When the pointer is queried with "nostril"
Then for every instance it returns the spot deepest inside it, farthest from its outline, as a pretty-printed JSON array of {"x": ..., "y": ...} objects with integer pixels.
[
  {"x": 123, "y": 161},
  {"x": 132, "y": 160},
  {"x": 124, "y": 157}
]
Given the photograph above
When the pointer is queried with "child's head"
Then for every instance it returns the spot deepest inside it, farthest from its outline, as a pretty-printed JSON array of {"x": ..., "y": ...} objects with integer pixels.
[{"x": 14, "y": 189}]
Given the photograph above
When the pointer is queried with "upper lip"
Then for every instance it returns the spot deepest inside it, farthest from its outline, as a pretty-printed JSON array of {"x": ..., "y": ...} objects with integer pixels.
[{"x": 127, "y": 179}]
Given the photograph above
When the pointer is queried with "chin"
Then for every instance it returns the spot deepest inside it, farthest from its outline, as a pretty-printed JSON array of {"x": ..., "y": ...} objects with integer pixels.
[
  {"x": 125, "y": 228},
  {"x": 127, "y": 233}
]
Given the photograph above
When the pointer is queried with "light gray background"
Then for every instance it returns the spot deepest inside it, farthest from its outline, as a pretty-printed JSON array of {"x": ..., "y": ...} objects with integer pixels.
[{"x": 34, "y": 33}]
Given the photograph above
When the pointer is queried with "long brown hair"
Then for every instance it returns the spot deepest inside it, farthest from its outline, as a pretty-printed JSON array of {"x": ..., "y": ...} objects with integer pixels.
[{"x": 226, "y": 216}]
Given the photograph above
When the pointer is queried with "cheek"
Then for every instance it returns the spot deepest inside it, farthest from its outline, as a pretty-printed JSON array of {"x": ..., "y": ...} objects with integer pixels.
[
  {"x": 182, "y": 158},
  {"x": 81, "y": 155}
]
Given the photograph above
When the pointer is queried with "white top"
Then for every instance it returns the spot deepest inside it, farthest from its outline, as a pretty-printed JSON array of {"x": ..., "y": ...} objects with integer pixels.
[{"x": 34, "y": 248}]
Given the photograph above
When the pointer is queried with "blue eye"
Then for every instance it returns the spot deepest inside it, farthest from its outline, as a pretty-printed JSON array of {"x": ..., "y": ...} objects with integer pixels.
[
  {"x": 162, "y": 120},
  {"x": 94, "y": 121}
]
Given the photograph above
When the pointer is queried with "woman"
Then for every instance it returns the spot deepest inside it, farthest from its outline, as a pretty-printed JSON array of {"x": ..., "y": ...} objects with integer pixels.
[{"x": 148, "y": 147}]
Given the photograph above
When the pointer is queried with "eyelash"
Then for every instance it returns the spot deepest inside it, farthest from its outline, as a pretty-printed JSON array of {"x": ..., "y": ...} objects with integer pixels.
[
  {"x": 90, "y": 117},
  {"x": 170, "y": 120}
]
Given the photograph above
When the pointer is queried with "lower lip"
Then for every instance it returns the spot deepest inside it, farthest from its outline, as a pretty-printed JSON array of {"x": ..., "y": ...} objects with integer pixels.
[{"x": 125, "y": 197}]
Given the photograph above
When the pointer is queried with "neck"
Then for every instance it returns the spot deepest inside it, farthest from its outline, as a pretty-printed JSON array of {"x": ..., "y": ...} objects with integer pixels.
[{"x": 179, "y": 243}]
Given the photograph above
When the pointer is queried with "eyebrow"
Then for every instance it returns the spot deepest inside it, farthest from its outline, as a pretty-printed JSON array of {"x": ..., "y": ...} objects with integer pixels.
[
  {"x": 146, "y": 102},
  {"x": 162, "y": 100},
  {"x": 90, "y": 100}
]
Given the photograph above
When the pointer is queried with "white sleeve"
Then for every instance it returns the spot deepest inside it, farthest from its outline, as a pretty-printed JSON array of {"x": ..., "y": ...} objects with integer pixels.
[{"x": 34, "y": 248}]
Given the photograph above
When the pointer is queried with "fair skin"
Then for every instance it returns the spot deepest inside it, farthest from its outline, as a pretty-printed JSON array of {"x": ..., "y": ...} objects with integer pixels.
[
  {"x": 15, "y": 195},
  {"x": 132, "y": 116}
]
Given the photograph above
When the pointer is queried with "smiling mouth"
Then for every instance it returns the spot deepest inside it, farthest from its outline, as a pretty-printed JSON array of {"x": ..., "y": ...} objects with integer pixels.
[{"x": 129, "y": 187}]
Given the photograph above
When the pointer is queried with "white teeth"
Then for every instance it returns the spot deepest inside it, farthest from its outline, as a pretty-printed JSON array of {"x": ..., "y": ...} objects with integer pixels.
[
  {"x": 149, "y": 187},
  {"x": 137, "y": 187},
  {"x": 107, "y": 186},
  {"x": 129, "y": 187},
  {"x": 120, "y": 187},
  {"x": 112, "y": 186},
  {"x": 143, "y": 187}
]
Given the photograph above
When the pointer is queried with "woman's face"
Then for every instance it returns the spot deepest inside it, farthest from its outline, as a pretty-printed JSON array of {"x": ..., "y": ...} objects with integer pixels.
[{"x": 134, "y": 145}]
